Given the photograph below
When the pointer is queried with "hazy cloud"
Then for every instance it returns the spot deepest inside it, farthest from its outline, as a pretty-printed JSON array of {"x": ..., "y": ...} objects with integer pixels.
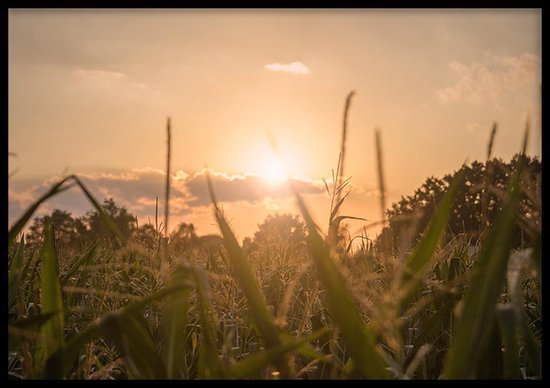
[
  {"x": 294, "y": 67},
  {"x": 119, "y": 86},
  {"x": 234, "y": 188},
  {"x": 489, "y": 81},
  {"x": 138, "y": 189},
  {"x": 100, "y": 75}
]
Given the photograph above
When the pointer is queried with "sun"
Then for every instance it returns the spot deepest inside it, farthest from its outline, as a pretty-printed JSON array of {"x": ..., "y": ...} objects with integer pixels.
[{"x": 271, "y": 170}]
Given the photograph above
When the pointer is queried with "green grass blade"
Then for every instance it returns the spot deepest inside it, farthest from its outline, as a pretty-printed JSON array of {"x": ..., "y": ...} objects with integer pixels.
[
  {"x": 63, "y": 359},
  {"x": 15, "y": 273},
  {"x": 34, "y": 322},
  {"x": 533, "y": 348},
  {"x": 51, "y": 298},
  {"x": 135, "y": 344},
  {"x": 263, "y": 318},
  {"x": 83, "y": 260},
  {"x": 22, "y": 221},
  {"x": 360, "y": 340},
  {"x": 507, "y": 322},
  {"x": 485, "y": 287},
  {"x": 23, "y": 325},
  {"x": 210, "y": 366},
  {"x": 249, "y": 368},
  {"x": 423, "y": 256},
  {"x": 66, "y": 355},
  {"x": 174, "y": 323},
  {"x": 245, "y": 278},
  {"x": 105, "y": 218},
  {"x": 80, "y": 262},
  {"x": 54, "y": 190}
]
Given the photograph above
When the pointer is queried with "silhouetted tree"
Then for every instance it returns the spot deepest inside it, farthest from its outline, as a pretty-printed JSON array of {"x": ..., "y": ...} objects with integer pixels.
[
  {"x": 66, "y": 228},
  {"x": 148, "y": 236},
  {"x": 279, "y": 231},
  {"x": 478, "y": 197},
  {"x": 96, "y": 229},
  {"x": 183, "y": 238}
]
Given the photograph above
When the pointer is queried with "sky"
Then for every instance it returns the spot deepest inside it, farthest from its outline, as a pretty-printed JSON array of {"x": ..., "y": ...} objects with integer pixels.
[{"x": 90, "y": 92}]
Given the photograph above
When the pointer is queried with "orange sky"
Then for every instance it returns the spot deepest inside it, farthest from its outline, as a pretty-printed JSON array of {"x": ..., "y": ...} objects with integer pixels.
[{"x": 90, "y": 90}]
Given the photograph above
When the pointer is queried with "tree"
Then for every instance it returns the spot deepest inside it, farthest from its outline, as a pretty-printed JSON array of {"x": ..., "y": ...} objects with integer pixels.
[
  {"x": 477, "y": 202},
  {"x": 277, "y": 238},
  {"x": 183, "y": 238},
  {"x": 96, "y": 229},
  {"x": 66, "y": 228}
]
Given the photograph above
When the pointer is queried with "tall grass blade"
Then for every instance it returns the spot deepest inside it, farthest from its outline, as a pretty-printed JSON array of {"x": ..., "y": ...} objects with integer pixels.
[
  {"x": 251, "y": 366},
  {"x": 51, "y": 298},
  {"x": 263, "y": 318},
  {"x": 340, "y": 175},
  {"x": 165, "y": 258},
  {"x": 210, "y": 366},
  {"x": 135, "y": 344},
  {"x": 60, "y": 363},
  {"x": 15, "y": 273},
  {"x": 80, "y": 262},
  {"x": 105, "y": 218},
  {"x": 66, "y": 355},
  {"x": 423, "y": 255},
  {"x": 507, "y": 322},
  {"x": 22, "y": 221},
  {"x": 381, "y": 184},
  {"x": 174, "y": 322},
  {"x": 491, "y": 140},
  {"x": 533, "y": 348},
  {"x": 359, "y": 338},
  {"x": 480, "y": 300}
]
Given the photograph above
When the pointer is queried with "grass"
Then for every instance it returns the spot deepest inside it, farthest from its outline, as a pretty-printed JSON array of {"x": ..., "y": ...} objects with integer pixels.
[{"x": 307, "y": 309}]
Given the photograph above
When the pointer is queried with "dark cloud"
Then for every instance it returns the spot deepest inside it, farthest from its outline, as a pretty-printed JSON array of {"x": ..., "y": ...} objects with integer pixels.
[
  {"x": 138, "y": 189},
  {"x": 248, "y": 188}
]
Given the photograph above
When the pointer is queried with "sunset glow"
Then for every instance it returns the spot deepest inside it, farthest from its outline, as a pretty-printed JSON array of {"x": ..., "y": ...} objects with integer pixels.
[
  {"x": 273, "y": 172},
  {"x": 102, "y": 82},
  {"x": 265, "y": 194}
]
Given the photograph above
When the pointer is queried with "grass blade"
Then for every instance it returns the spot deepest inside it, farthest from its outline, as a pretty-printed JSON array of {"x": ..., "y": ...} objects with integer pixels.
[
  {"x": 51, "y": 299},
  {"x": 359, "y": 338},
  {"x": 15, "y": 273},
  {"x": 251, "y": 366},
  {"x": 82, "y": 261},
  {"x": 22, "y": 221},
  {"x": 79, "y": 262},
  {"x": 210, "y": 366},
  {"x": 423, "y": 255},
  {"x": 249, "y": 284},
  {"x": 381, "y": 185},
  {"x": 66, "y": 355},
  {"x": 340, "y": 171},
  {"x": 506, "y": 319},
  {"x": 105, "y": 218},
  {"x": 135, "y": 344},
  {"x": 532, "y": 346},
  {"x": 485, "y": 287},
  {"x": 174, "y": 323}
]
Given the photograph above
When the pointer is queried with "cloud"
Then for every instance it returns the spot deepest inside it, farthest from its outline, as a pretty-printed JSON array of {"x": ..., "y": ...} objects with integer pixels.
[
  {"x": 138, "y": 189},
  {"x": 100, "y": 75},
  {"x": 117, "y": 86},
  {"x": 250, "y": 188},
  {"x": 492, "y": 79},
  {"x": 294, "y": 67}
]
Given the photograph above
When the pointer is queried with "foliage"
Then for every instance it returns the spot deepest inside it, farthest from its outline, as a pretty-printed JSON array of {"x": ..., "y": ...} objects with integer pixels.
[{"x": 483, "y": 186}]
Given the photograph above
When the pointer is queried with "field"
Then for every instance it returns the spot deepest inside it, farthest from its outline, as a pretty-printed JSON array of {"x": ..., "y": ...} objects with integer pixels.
[{"x": 426, "y": 300}]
